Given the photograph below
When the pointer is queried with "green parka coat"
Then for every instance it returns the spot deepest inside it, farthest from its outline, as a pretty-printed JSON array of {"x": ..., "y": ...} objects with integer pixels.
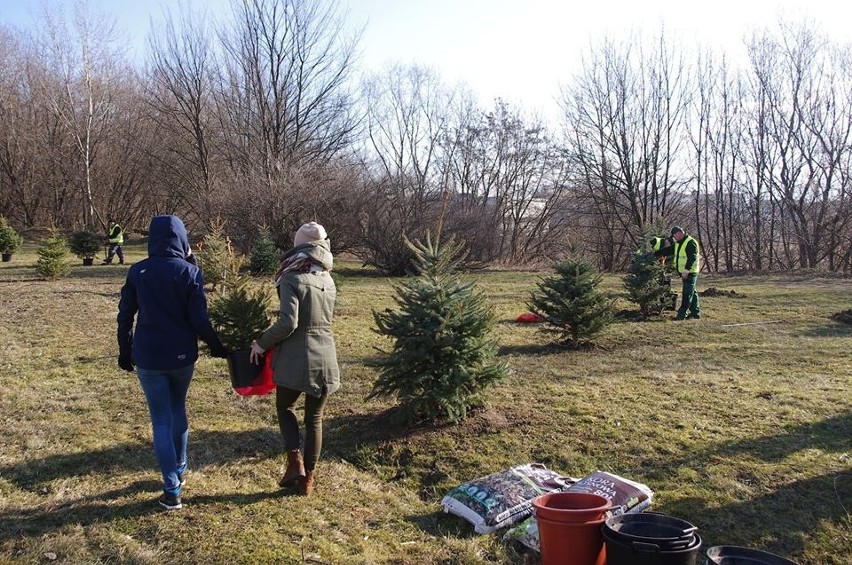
[{"x": 305, "y": 358}]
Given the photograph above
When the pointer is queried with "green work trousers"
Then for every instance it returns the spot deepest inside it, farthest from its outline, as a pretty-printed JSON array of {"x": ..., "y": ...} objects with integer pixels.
[{"x": 689, "y": 305}]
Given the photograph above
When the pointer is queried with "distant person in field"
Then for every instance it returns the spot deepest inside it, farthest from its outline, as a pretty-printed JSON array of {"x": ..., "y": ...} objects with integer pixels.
[
  {"x": 115, "y": 238},
  {"x": 685, "y": 260},
  {"x": 305, "y": 359},
  {"x": 165, "y": 295}
]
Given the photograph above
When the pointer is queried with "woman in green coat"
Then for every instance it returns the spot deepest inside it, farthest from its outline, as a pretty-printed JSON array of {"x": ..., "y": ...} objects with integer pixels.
[{"x": 305, "y": 358}]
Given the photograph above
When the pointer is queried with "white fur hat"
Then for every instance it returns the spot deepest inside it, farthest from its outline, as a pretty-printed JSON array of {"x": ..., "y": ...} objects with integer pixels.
[{"x": 309, "y": 232}]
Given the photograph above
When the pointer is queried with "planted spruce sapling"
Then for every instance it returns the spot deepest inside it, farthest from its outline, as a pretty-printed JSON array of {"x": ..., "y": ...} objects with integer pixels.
[
  {"x": 85, "y": 245},
  {"x": 10, "y": 240},
  {"x": 572, "y": 306},
  {"x": 444, "y": 351}
]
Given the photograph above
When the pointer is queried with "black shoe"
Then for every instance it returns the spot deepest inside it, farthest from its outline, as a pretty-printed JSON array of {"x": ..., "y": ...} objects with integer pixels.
[
  {"x": 693, "y": 317},
  {"x": 170, "y": 501}
]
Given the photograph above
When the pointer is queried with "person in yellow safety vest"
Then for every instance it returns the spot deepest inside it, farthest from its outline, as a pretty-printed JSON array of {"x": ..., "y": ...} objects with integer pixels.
[
  {"x": 656, "y": 244},
  {"x": 686, "y": 260},
  {"x": 115, "y": 235}
]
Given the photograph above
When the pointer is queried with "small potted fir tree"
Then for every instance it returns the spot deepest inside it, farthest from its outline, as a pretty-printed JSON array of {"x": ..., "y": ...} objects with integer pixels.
[
  {"x": 85, "y": 245},
  {"x": 239, "y": 315},
  {"x": 10, "y": 240}
]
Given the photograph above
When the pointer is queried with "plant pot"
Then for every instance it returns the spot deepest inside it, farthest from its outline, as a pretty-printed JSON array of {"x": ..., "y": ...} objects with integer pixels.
[
  {"x": 7, "y": 257},
  {"x": 569, "y": 528},
  {"x": 735, "y": 555},
  {"x": 622, "y": 552},
  {"x": 88, "y": 261},
  {"x": 667, "y": 532},
  {"x": 243, "y": 372}
]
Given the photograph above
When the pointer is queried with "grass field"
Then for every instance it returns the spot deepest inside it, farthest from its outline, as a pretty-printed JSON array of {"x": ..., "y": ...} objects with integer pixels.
[{"x": 741, "y": 423}]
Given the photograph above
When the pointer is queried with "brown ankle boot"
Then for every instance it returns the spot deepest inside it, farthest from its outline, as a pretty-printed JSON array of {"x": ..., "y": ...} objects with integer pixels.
[
  {"x": 306, "y": 485},
  {"x": 295, "y": 470}
]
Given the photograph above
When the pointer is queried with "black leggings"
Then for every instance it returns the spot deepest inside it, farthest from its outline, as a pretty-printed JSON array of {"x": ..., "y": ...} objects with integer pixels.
[{"x": 285, "y": 399}]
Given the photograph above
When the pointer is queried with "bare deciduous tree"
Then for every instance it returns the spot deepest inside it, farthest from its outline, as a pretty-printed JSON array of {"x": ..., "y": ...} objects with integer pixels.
[
  {"x": 624, "y": 128},
  {"x": 807, "y": 91},
  {"x": 509, "y": 184},
  {"x": 180, "y": 93},
  {"x": 408, "y": 112},
  {"x": 82, "y": 96}
]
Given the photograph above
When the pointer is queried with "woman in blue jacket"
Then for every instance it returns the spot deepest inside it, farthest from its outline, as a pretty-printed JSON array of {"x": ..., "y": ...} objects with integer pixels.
[{"x": 165, "y": 294}]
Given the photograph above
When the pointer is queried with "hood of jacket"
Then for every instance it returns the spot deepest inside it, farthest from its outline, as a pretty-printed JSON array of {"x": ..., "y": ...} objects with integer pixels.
[
  {"x": 319, "y": 253},
  {"x": 167, "y": 237}
]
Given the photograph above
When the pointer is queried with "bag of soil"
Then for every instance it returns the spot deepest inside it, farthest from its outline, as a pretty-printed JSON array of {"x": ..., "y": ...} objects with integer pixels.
[{"x": 503, "y": 498}]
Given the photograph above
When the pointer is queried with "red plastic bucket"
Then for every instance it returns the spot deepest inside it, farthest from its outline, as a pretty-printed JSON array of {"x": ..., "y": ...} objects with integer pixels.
[{"x": 569, "y": 528}]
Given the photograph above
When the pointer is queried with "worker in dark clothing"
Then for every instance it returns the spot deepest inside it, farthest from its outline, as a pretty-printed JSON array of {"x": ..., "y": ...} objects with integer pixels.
[
  {"x": 115, "y": 236},
  {"x": 686, "y": 260}
]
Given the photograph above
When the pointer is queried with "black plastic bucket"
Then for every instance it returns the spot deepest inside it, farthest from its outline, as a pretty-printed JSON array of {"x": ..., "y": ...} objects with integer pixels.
[
  {"x": 623, "y": 552},
  {"x": 664, "y": 531},
  {"x": 243, "y": 372},
  {"x": 735, "y": 555}
]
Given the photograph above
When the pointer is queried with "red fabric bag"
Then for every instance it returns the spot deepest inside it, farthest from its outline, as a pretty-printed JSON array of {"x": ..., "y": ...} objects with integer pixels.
[
  {"x": 529, "y": 318},
  {"x": 263, "y": 384}
]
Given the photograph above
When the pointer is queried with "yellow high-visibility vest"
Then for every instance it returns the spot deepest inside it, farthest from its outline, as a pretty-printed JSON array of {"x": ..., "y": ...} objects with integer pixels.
[
  {"x": 680, "y": 256},
  {"x": 116, "y": 235}
]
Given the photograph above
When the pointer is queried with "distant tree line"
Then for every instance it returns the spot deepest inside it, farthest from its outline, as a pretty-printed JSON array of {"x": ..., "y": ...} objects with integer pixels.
[{"x": 262, "y": 119}]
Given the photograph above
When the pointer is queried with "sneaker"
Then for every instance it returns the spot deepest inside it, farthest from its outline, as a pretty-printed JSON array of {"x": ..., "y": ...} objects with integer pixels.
[{"x": 170, "y": 501}]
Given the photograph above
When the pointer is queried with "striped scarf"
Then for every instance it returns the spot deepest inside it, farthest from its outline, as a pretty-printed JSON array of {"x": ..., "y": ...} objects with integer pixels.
[{"x": 297, "y": 262}]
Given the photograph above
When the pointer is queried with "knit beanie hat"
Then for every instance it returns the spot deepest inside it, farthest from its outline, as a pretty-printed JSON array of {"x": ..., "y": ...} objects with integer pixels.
[{"x": 309, "y": 232}]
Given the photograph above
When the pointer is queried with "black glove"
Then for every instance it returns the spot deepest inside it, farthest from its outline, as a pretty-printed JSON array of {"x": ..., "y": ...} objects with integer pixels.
[
  {"x": 218, "y": 350},
  {"x": 125, "y": 362}
]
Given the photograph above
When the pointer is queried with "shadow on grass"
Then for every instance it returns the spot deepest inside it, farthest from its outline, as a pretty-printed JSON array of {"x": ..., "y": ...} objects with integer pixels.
[
  {"x": 442, "y": 525},
  {"x": 86, "y": 510},
  {"x": 112, "y": 295},
  {"x": 831, "y": 329},
  {"x": 205, "y": 448},
  {"x": 533, "y": 349},
  {"x": 778, "y": 521},
  {"x": 100, "y": 272},
  {"x": 362, "y": 272},
  {"x": 831, "y": 434},
  {"x": 785, "y": 515},
  {"x": 345, "y": 435},
  {"x": 102, "y": 508}
]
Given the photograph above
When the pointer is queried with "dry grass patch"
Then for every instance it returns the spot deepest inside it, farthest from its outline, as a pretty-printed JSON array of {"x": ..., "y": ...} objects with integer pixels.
[{"x": 741, "y": 422}]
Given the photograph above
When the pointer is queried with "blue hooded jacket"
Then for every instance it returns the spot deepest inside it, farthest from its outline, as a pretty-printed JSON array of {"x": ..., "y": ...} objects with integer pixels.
[{"x": 167, "y": 292}]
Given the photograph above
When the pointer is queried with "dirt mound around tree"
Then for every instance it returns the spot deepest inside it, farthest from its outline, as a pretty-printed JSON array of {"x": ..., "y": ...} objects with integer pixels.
[
  {"x": 844, "y": 317},
  {"x": 713, "y": 291}
]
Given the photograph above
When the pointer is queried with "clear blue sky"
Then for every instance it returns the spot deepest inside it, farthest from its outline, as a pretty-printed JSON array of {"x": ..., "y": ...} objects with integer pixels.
[{"x": 520, "y": 50}]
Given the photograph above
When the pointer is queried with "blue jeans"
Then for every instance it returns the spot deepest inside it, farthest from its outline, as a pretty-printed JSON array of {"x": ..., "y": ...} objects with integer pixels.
[{"x": 165, "y": 390}]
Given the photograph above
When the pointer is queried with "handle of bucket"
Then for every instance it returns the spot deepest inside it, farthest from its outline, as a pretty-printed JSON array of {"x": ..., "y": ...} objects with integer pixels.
[
  {"x": 691, "y": 530},
  {"x": 641, "y": 545}
]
